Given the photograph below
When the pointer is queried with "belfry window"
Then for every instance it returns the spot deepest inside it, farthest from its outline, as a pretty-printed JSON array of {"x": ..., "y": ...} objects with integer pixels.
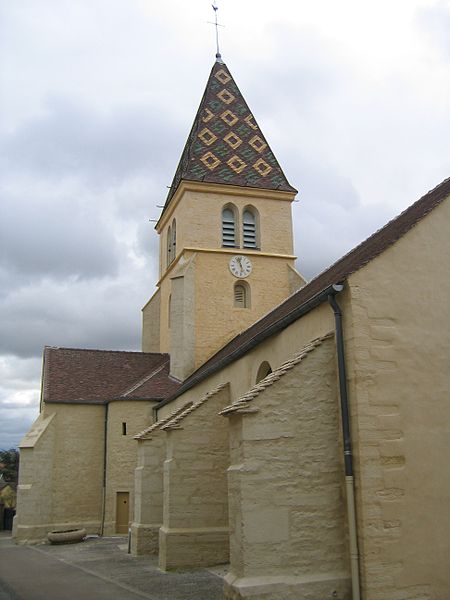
[
  {"x": 171, "y": 243},
  {"x": 241, "y": 295},
  {"x": 169, "y": 246},
  {"x": 174, "y": 239},
  {"x": 228, "y": 227},
  {"x": 249, "y": 229}
]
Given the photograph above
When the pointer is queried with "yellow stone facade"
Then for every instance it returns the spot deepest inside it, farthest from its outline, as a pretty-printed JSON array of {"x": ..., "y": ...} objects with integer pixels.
[
  {"x": 196, "y": 290},
  {"x": 398, "y": 384},
  {"x": 61, "y": 478}
]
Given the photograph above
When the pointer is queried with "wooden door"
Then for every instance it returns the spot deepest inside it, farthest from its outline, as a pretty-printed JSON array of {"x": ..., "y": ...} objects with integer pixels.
[{"x": 122, "y": 512}]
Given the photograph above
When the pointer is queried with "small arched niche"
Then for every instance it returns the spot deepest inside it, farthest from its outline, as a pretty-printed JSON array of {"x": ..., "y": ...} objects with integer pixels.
[
  {"x": 241, "y": 295},
  {"x": 263, "y": 370}
]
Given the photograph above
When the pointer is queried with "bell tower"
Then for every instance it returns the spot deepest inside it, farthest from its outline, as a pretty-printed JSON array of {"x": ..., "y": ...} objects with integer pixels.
[{"x": 226, "y": 243}]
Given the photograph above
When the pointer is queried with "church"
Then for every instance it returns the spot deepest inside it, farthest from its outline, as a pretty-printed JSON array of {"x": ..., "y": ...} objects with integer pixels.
[{"x": 298, "y": 431}]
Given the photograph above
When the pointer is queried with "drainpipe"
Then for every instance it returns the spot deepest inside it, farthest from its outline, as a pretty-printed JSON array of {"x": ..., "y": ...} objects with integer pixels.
[
  {"x": 348, "y": 456},
  {"x": 105, "y": 450}
]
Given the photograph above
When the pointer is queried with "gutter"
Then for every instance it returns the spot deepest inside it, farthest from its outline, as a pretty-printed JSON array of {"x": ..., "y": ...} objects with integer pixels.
[
  {"x": 346, "y": 434},
  {"x": 276, "y": 327},
  {"x": 105, "y": 451}
]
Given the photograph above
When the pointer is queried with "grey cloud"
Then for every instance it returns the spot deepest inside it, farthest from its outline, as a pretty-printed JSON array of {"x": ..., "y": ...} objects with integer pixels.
[
  {"x": 329, "y": 219},
  {"x": 18, "y": 374},
  {"x": 105, "y": 314},
  {"x": 47, "y": 232},
  {"x": 71, "y": 139},
  {"x": 300, "y": 73},
  {"x": 14, "y": 426}
]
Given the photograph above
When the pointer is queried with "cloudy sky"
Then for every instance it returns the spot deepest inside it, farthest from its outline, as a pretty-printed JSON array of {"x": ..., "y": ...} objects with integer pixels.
[{"x": 97, "y": 98}]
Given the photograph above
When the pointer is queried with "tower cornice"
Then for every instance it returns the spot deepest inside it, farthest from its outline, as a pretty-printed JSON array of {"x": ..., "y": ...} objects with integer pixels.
[{"x": 220, "y": 189}]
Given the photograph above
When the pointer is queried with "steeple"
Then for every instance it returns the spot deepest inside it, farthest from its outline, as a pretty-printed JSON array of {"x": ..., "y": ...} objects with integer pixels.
[
  {"x": 226, "y": 145},
  {"x": 226, "y": 244}
]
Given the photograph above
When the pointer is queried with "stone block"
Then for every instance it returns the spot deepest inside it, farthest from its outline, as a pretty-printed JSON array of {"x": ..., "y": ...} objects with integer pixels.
[
  {"x": 144, "y": 539},
  {"x": 201, "y": 547}
]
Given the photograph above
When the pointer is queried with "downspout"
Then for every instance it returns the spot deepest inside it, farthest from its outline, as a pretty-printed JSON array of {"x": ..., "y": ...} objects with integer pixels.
[
  {"x": 105, "y": 451},
  {"x": 348, "y": 456}
]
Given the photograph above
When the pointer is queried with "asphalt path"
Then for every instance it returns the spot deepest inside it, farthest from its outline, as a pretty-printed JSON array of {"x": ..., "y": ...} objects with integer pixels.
[{"x": 95, "y": 569}]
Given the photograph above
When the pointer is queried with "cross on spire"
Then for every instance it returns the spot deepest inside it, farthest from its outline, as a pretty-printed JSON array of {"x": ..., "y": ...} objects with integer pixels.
[{"x": 217, "y": 25}]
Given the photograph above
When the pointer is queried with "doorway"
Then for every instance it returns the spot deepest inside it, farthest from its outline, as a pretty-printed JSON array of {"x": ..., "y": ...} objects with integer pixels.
[{"x": 122, "y": 512}]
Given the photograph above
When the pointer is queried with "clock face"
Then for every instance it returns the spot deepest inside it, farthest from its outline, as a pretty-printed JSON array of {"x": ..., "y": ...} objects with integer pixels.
[{"x": 240, "y": 266}]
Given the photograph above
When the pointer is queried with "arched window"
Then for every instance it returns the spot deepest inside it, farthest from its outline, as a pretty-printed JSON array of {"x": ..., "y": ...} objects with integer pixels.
[
  {"x": 174, "y": 239},
  {"x": 241, "y": 295},
  {"x": 264, "y": 370},
  {"x": 229, "y": 227},
  {"x": 169, "y": 246},
  {"x": 171, "y": 242},
  {"x": 250, "y": 228}
]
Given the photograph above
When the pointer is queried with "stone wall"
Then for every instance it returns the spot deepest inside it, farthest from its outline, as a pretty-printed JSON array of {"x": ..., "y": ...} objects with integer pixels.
[
  {"x": 122, "y": 454},
  {"x": 195, "y": 522},
  {"x": 182, "y": 331},
  {"x": 78, "y": 466},
  {"x": 61, "y": 472},
  {"x": 151, "y": 324},
  {"x": 148, "y": 512},
  {"x": 286, "y": 497},
  {"x": 203, "y": 315},
  {"x": 35, "y": 490},
  {"x": 399, "y": 352}
]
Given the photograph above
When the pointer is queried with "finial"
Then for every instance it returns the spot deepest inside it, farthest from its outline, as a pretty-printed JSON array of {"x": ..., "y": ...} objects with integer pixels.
[{"x": 217, "y": 25}]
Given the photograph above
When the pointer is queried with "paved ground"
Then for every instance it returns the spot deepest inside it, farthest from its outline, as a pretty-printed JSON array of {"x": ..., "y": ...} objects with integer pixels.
[{"x": 96, "y": 569}]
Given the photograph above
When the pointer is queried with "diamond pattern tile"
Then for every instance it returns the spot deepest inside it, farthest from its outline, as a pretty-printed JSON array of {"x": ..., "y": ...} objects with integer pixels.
[{"x": 225, "y": 144}]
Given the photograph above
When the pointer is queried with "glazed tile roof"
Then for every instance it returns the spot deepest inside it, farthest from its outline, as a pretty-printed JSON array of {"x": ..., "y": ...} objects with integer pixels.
[
  {"x": 82, "y": 376},
  {"x": 242, "y": 404},
  {"x": 225, "y": 144},
  {"x": 305, "y": 298}
]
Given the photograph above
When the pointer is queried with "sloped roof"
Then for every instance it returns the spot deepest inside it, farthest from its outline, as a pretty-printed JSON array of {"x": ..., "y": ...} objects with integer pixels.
[
  {"x": 225, "y": 144},
  {"x": 172, "y": 421},
  {"x": 242, "y": 404},
  {"x": 306, "y": 298},
  {"x": 146, "y": 434},
  {"x": 98, "y": 376}
]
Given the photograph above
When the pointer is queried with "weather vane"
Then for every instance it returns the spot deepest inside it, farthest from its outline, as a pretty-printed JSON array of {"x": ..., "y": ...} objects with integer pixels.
[{"x": 217, "y": 25}]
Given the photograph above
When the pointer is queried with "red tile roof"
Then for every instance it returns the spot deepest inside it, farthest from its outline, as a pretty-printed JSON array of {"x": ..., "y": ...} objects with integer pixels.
[{"x": 99, "y": 376}]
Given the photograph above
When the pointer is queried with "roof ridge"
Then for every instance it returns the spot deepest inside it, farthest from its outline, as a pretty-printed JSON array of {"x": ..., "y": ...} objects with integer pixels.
[
  {"x": 242, "y": 403},
  {"x": 145, "y": 378},
  {"x": 110, "y": 351}
]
